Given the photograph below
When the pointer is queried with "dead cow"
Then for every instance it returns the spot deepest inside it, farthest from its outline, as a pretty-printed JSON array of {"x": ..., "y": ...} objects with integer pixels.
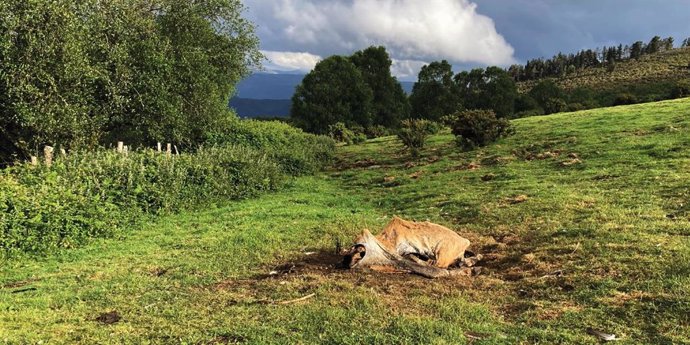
[{"x": 426, "y": 249}]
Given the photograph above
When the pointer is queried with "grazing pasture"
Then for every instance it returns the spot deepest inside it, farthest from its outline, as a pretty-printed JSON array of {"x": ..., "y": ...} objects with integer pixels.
[{"x": 583, "y": 220}]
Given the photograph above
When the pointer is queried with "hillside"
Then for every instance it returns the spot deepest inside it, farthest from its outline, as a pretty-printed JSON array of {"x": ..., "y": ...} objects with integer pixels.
[
  {"x": 664, "y": 68},
  {"x": 583, "y": 218}
]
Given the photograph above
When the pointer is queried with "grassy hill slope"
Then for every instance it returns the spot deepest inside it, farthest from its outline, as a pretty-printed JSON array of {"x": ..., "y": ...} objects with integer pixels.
[
  {"x": 584, "y": 219},
  {"x": 663, "y": 67}
]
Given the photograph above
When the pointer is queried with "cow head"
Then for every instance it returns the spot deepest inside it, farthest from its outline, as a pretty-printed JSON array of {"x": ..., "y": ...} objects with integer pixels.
[{"x": 353, "y": 256}]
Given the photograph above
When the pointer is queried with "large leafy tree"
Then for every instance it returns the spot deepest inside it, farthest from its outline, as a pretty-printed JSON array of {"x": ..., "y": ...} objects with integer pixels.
[
  {"x": 492, "y": 88},
  {"x": 82, "y": 73},
  {"x": 390, "y": 103},
  {"x": 434, "y": 94},
  {"x": 546, "y": 94},
  {"x": 334, "y": 91}
]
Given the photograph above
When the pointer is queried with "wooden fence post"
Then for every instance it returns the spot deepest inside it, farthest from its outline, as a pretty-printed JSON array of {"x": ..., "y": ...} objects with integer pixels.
[
  {"x": 177, "y": 153},
  {"x": 34, "y": 160},
  {"x": 63, "y": 153},
  {"x": 48, "y": 155},
  {"x": 120, "y": 146},
  {"x": 159, "y": 146},
  {"x": 168, "y": 149}
]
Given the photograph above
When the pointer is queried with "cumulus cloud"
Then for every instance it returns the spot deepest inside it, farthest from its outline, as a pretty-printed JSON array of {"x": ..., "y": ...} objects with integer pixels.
[
  {"x": 412, "y": 30},
  {"x": 290, "y": 61},
  {"x": 406, "y": 69}
]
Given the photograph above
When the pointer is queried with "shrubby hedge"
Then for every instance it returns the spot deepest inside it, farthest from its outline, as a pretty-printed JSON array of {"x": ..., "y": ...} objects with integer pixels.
[
  {"x": 473, "y": 128},
  {"x": 296, "y": 151},
  {"x": 96, "y": 194}
]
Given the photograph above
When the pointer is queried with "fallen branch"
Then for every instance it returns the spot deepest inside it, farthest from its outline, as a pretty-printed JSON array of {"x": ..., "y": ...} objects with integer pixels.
[{"x": 297, "y": 299}]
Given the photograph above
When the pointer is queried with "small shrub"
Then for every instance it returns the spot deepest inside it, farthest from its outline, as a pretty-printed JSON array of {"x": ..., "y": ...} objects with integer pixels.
[
  {"x": 680, "y": 90},
  {"x": 359, "y": 138},
  {"x": 554, "y": 105},
  {"x": 377, "y": 131},
  {"x": 340, "y": 133},
  {"x": 625, "y": 98},
  {"x": 433, "y": 127},
  {"x": 413, "y": 134},
  {"x": 576, "y": 107},
  {"x": 474, "y": 128}
]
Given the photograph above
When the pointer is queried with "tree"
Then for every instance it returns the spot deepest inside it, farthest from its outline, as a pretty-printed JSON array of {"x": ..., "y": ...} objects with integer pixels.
[
  {"x": 686, "y": 43},
  {"x": 82, "y": 73},
  {"x": 492, "y": 89},
  {"x": 390, "y": 104},
  {"x": 334, "y": 91},
  {"x": 545, "y": 93},
  {"x": 653, "y": 46},
  {"x": 434, "y": 94},
  {"x": 636, "y": 50}
]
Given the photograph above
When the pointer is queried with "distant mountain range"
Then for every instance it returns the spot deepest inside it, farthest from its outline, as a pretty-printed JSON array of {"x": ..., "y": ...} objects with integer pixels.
[
  {"x": 268, "y": 95},
  {"x": 247, "y": 107}
]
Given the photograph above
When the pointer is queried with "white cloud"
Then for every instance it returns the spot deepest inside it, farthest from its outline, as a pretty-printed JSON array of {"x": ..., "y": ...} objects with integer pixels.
[
  {"x": 290, "y": 61},
  {"x": 406, "y": 69},
  {"x": 410, "y": 29}
]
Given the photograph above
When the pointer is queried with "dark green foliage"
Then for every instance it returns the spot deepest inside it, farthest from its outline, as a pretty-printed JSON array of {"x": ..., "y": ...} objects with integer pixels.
[
  {"x": 389, "y": 103},
  {"x": 296, "y": 152},
  {"x": 82, "y": 73},
  {"x": 524, "y": 103},
  {"x": 334, "y": 91},
  {"x": 548, "y": 96},
  {"x": 340, "y": 133},
  {"x": 377, "y": 131},
  {"x": 682, "y": 89},
  {"x": 554, "y": 105},
  {"x": 95, "y": 194},
  {"x": 413, "y": 134},
  {"x": 546, "y": 90},
  {"x": 625, "y": 98},
  {"x": 492, "y": 89},
  {"x": 434, "y": 95},
  {"x": 584, "y": 96},
  {"x": 474, "y": 128}
]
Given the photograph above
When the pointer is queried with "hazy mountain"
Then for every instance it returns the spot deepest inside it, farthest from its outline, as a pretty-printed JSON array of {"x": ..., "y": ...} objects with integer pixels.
[
  {"x": 245, "y": 107},
  {"x": 268, "y": 86}
]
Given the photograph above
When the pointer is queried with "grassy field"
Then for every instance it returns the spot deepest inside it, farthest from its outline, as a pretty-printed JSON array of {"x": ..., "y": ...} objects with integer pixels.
[{"x": 584, "y": 220}]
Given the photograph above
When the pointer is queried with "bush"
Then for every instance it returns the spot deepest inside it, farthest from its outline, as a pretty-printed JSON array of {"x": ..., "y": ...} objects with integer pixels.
[
  {"x": 682, "y": 89},
  {"x": 478, "y": 127},
  {"x": 625, "y": 98},
  {"x": 524, "y": 103},
  {"x": 576, "y": 107},
  {"x": 413, "y": 134},
  {"x": 95, "y": 194},
  {"x": 295, "y": 151},
  {"x": 376, "y": 131},
  {"x": 433, "y": 127},
  {"x": 359, "y": 138},
  {"x": 554, "y": 105},
  {"x": 340, "y": 133}
]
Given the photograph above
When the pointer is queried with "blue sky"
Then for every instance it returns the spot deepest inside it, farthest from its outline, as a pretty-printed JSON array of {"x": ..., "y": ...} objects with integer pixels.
[{"x": 295, "y": 34}]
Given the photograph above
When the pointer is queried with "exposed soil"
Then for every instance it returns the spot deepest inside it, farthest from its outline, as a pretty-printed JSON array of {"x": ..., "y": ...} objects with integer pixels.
[{"x": 108, "y": 318}]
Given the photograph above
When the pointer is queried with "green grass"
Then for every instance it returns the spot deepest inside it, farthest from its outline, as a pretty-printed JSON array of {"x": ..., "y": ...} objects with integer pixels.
[{"x": 603, "y": 241}]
